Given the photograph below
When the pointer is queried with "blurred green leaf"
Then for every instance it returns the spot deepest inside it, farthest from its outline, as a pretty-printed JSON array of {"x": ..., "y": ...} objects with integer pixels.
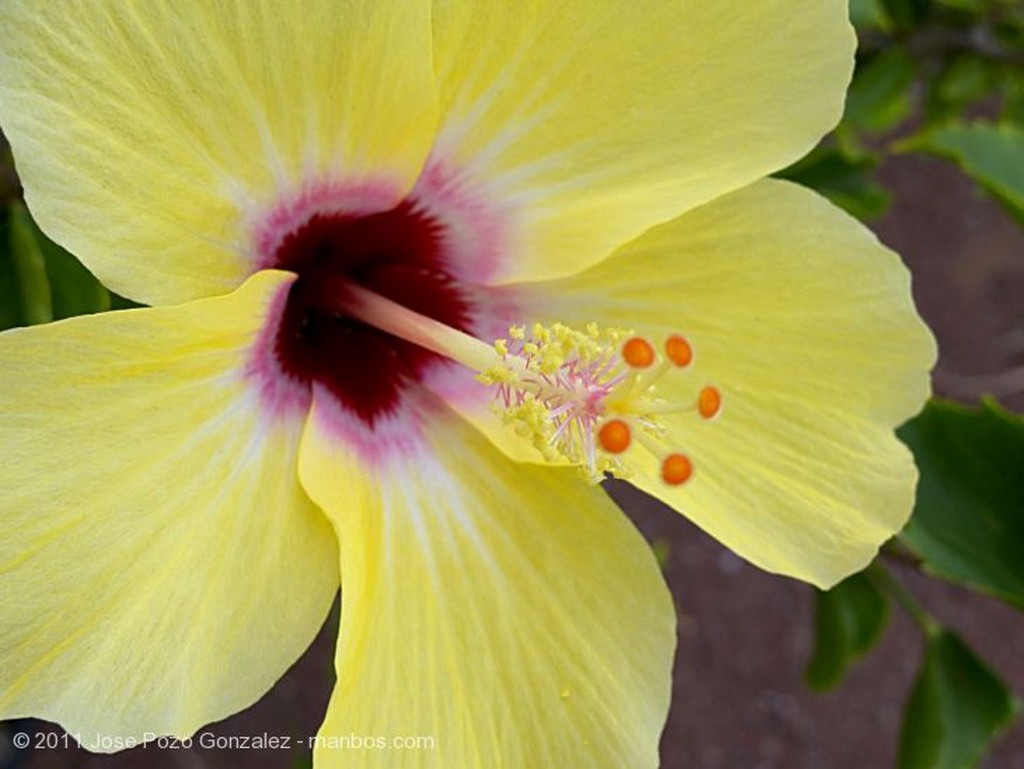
[
  {"x": 878, "y": 99},
  {"x": 1008, "y": 26},
  {"x": 29, "y": 268},
  {"x": 848, "y": 620},
  {"x": 992, "y": 155},
  {"x": 868, "y": 14},
  {"x": 907, "y": 14},
  {"x": 39, "y": 280},
  {"x": 1010, "y": 84},
  {"x": 972, "y": 7},
  {"x": 75, "y": 291},
  {"x": 662, "y": 549},
  {"x": 964, "y": 81},
  {"x": 956, "y": 707},
  {"x": 968, "y": 522},
  {"x": 843, "y": 180},
  {"x": 118, "y": 302},
  {"x": 10, "y": 299}
]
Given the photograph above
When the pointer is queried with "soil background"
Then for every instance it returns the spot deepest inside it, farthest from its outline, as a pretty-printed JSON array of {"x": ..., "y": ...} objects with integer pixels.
[{"x": 739, "y": 700}]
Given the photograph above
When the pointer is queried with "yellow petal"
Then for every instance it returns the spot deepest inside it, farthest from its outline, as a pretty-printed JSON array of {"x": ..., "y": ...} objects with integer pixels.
[
  {"x": 160, "y": 566},
  {"x": 577, "y": 125},
  {"x": 806, "y": 325},
  {"x": 509, "y": 614},
  {"x": 150, "y": 136}
]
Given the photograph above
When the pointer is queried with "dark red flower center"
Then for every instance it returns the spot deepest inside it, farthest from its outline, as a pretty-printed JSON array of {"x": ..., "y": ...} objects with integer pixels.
[{"x": 398, "y": 254}]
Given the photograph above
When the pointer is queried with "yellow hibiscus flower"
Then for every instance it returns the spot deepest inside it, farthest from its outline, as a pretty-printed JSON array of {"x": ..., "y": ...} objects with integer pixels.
[{"x": 318, "y": 198}]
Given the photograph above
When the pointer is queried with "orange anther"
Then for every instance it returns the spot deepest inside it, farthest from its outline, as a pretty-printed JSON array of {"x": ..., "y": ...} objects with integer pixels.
[
  {"x": 678, "y": 350},
  {"x": 676, "y": 469},
  {"x": 709, "y": 402},
  {"x": 638, "y": 353},
  {"x": 614, "y": 436}
]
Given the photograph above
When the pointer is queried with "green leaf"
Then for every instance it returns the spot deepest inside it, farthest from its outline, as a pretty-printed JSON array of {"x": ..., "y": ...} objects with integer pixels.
[
  {"x": 848, "y": 620},
  {"x": 8, "y": 179},
  {"x": 844, "y": 180},
  {"x": 975, "y": 8},
  {"x": 965, "y": 80},
  {"x": 75, "y": 290},
  {"x": 955, "y": 709},
  {"x": 868, "y": 14},
  {"x": 907, "y": 14},
  {"x": 878, "y": 99},
  {"x": 39, "y": 280},
  {"x": 10, "y": 296},
  {"x": 992, "y": 155},
  {"x": 1009, "y": 79},
  {"x": 662, "y": 549},
  {"x": 1007, "y": 28},
  {"x": 118, "y": 302},
  {"x": 968, "y": 521},
  {"x": 29, "y": 268}
]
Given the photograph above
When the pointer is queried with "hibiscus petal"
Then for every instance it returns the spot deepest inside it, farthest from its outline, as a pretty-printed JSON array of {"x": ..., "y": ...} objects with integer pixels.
[
  {"x": 806, "y": 325},
  {"x": 164, "y": 129},
  {"x": 509, "y": 613},
  {"x": 583, "y": 124},
  {"x": 160, "y": 565}
]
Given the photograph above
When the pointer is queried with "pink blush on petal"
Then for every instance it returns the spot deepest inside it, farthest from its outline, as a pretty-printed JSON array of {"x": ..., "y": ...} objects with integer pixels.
[
  {"x": 397, "y": 435},
  {"x": 479, "y": 233},
  {"x": 352, "y": 198},
  {"x": 282, "y": 396}
]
